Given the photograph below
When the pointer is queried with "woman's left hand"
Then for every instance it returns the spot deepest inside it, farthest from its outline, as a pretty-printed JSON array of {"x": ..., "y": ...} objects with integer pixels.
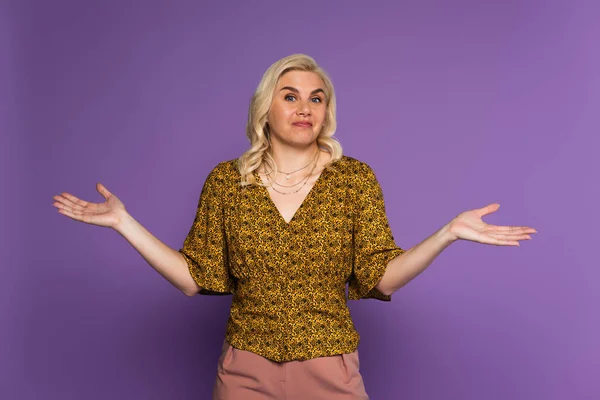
[{"x": 469, "y": 226}]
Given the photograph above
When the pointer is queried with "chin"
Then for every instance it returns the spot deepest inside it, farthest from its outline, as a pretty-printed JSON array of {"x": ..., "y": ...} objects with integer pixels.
[{"x": 301, "y": 139}]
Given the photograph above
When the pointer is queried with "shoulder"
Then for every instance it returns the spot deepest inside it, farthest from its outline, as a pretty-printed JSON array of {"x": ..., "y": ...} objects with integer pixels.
[
  {"x": 360, "y": 177},
  {"x": 223, "y": 171},
  {"x": 223, "y": 176},
  {"x": 352, "y": 167}
]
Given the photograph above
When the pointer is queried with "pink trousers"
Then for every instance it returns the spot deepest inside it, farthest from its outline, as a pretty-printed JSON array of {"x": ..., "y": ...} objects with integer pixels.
[{"x": 245, "y": 375}]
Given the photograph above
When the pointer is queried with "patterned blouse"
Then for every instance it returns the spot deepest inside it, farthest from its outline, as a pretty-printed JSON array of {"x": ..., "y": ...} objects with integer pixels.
[{"x": 288, "y": 280}]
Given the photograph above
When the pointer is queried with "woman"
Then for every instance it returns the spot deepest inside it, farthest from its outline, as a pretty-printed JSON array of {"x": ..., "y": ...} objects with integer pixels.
[{"x": 284, "y": 228}]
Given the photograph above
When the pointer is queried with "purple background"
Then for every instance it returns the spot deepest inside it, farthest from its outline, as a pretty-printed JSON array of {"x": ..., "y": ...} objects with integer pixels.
[{"x": 455, "y": 105}]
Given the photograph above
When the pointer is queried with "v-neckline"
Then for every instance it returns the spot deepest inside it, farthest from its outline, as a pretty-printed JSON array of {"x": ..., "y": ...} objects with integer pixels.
[{"x": 306, "y": 198}]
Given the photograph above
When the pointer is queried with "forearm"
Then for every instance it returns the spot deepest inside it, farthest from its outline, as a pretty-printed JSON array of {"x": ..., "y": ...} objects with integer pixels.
[
  {"x": 166, "y": 261},
  {"x": 405, "y": 267}
]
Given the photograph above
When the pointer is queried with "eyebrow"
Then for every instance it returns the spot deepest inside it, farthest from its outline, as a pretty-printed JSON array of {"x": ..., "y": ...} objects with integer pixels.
[{"x": 293, "y": 89}]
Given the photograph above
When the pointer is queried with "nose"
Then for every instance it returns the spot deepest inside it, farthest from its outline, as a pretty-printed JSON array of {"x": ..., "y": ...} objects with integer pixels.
[{"x": 303, "y": 108}]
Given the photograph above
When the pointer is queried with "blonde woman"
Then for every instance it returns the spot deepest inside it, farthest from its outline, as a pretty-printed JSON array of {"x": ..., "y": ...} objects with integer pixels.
[{"x": 284, "y": 228}]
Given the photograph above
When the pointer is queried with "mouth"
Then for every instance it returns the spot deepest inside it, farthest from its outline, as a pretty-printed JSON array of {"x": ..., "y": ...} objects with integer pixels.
[{"x": 303, "y": 124}]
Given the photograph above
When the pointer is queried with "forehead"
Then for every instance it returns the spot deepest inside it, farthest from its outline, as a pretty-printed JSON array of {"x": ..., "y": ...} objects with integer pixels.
[{"x": 301, "y": 80}]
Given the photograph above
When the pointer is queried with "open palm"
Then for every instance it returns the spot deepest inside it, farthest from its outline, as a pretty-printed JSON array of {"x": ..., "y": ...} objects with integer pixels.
[
  {"x": 106, "y": 214},
  {"x": 469, "y": 226}
]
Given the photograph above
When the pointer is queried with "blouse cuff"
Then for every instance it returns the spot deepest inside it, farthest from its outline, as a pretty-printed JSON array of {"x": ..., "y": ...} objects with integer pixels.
[
  {"x": 217, "y": 287},
  {"x": 363, "y": 287}
]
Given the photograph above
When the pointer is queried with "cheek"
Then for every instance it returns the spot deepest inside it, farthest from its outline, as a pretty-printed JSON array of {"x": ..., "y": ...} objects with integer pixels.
[
  {"x": 321, "y": 114},
  {"x": 321, "y": 111},
  {"x": 280, "y": 115}
]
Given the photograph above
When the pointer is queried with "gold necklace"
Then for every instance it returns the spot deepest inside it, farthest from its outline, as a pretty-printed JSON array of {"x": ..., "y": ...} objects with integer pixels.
[
  {"x": 304, "y": 180},
  {"x": 287, "y": 174},
  {"x": 288, "y": 186}
]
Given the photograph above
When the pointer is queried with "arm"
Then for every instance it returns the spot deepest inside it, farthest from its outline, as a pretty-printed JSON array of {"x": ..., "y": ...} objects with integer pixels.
[
  {"x": 406, "y": 266},
  {"x": 466, "y": 226},
  {"x": 166, "y": 261}
]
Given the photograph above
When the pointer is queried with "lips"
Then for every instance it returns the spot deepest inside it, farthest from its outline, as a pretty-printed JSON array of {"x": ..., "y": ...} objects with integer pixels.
[{"x": 302, "y": 124}]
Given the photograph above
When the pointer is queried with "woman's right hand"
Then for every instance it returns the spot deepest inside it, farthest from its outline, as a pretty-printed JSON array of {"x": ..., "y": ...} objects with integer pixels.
[{"x": 107, "y": 214}]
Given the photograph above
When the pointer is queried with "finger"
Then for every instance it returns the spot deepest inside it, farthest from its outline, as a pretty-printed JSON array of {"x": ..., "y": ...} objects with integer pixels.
[
  {"x": 74, "y": 200},
  {"x": 73, "y": 212},
  {"x": 63, "y": 200},
  {"x": 489, "y": 239},
  {"x": 79, "y": 216},
  {"x": 69, "y": 203},
  {"x": 103, "y": 190},
  {"x": 513, "y": 229},
  {"x": 490, "y": 208},
  {"x": 509, "y": 236},
  {"x": 61, "y": 206},
  {"x": 73, "y": 215}
]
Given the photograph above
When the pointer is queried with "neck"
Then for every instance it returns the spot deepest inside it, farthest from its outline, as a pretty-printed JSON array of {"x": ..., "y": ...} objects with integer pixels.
[{"x": 289, "y": 159}]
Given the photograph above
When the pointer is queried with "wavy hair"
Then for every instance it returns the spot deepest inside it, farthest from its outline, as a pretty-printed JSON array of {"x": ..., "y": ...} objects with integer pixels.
[{"x": 257, "y": 129}]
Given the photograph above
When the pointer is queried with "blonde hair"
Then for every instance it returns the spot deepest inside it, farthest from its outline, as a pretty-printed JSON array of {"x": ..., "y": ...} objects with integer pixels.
[{"x": 257, "y": 129}]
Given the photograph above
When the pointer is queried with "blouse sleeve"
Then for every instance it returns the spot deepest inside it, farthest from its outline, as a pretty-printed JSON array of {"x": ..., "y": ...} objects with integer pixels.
[
  {"x": 373, "y": 244},
  {"x": 205, "y": 247}
]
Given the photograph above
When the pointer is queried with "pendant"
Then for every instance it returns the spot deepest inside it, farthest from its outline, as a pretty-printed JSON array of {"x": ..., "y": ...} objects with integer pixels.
[{"x": 287, "y": 177}]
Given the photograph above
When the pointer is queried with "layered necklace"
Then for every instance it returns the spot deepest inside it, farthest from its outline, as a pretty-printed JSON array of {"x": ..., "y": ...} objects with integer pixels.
[{"x": 302, "y": 182}]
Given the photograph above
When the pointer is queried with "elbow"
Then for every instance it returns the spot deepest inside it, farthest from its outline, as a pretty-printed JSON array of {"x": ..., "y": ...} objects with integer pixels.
[
  {"x": 190, "y": 292},
  {"x": 388, "y": 291},
  {"x": 383, "y": 289}
]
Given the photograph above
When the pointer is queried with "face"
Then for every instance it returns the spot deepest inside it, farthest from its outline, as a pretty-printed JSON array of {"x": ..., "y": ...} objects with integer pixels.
[{"x": 298, "y": 109}]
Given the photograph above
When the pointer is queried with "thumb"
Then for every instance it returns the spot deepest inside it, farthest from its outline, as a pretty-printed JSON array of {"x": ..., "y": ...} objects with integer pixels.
[
  {"x": 103, "y": 190},
  {"x": 490, "y": 208}
]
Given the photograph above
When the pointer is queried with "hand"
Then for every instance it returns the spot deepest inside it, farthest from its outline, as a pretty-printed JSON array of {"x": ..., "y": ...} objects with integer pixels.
[
  {"x": 469, "y": 226},
  {"x": 106, "y": 214}
]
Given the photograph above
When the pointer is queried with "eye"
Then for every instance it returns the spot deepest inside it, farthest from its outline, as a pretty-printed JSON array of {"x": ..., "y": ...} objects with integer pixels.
[{"x": 288, "y": 96}]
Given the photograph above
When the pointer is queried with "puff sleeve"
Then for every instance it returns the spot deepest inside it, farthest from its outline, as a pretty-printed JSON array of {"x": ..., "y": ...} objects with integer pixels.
[
  {"x": 205, "y": 247},
  {"x": 373, "y": 242}
]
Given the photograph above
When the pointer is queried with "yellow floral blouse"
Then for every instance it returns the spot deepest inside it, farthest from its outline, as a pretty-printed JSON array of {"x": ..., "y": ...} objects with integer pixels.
[{"x": 288, "y": 280}]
